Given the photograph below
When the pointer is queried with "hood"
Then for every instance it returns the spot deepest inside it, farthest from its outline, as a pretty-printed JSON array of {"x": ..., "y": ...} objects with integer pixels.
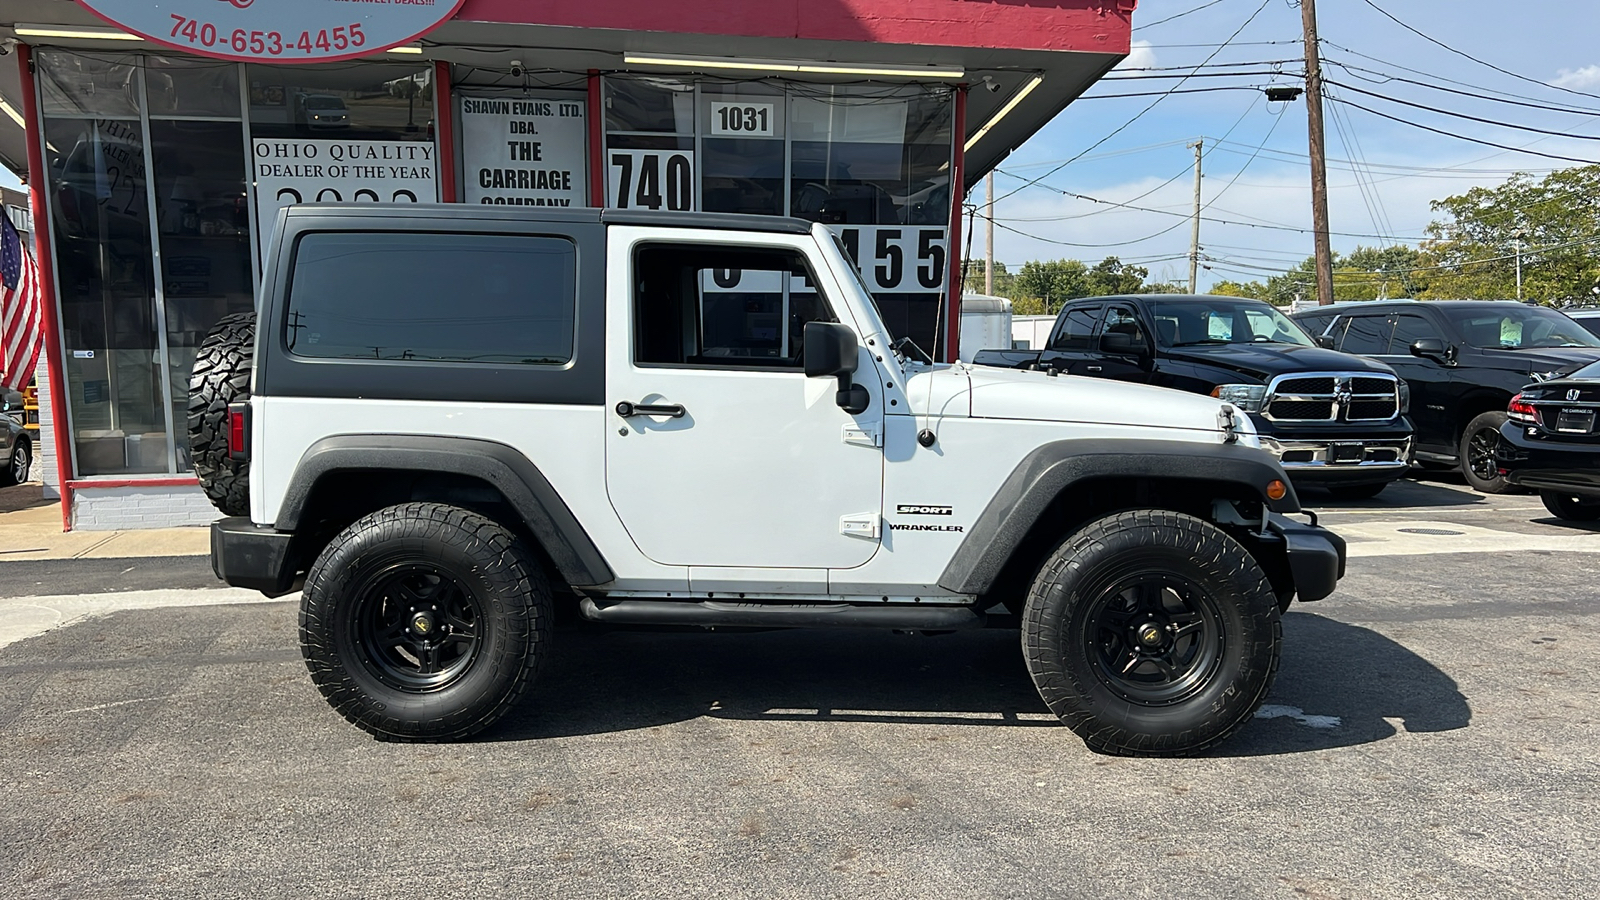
[
  {"x": 1563, "y": 360},
  {"x": 1036, "y": 396},
  {"x": 1265, "y": 361}
]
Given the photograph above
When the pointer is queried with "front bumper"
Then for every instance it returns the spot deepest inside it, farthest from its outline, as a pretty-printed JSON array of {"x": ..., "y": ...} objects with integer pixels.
[
  {"x": 258, "y": 557},
  {"x": 1548, "y": 464},
  {"x": 1341, "y": 461},
  {"x": 1316, "y": 555}
]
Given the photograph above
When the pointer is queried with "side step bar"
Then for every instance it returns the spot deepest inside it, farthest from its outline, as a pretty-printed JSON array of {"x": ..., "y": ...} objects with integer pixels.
[{"x": 772, "y": 615}]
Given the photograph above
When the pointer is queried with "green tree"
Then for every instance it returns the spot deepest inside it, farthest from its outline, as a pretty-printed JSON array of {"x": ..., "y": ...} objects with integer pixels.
[
  {"x": 1050, "y": 284},
  {"x": 1112, "y": 276},
  {"x": 1557, "y": 219}
]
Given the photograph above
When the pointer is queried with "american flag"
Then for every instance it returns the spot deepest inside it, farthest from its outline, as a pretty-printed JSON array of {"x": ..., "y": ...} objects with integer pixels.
[{"x": 21, "y": 318}]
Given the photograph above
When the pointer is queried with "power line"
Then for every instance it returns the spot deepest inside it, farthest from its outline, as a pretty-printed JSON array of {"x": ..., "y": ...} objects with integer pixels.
[
  {"x": 1446, "y": 112},
  {"x": 1120, "y": 128},
  {"x": 1179, "y": 15},
  {"x": 1456, "y": 82},
  {"x": 1480, "y": 62},
  {"x": 1386, "y": 78},
  {"x": 1462, "y": 137}
]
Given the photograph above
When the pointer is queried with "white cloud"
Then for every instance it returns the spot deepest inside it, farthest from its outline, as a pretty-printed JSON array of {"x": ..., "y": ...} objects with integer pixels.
[
  {"x": 1140, "y": 56},
  {"x": 1577, "y": 79}
]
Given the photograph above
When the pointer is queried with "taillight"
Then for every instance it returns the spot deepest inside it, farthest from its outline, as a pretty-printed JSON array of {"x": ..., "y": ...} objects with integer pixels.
[
  {"x": 239, "y": 431},
  {"x": 1522, "y": 411}
]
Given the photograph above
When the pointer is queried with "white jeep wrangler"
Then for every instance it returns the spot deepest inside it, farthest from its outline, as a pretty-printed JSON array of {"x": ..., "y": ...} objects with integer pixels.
[{"x": 449, "y": 418}]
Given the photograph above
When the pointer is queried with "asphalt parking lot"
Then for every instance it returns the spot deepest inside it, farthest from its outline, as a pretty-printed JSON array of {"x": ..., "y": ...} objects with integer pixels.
[{"x": 1432, "y": 733}]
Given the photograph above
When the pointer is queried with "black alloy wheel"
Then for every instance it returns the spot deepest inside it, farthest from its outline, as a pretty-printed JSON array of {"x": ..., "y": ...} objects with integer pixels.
[
  {"x": 417, "y": 627},
  {"x": 1152, "y": 633},
  {"x": 424, "y": 622},
  {"x": 1478, "y": 465},
  {"x": 1155, "y": 638}
]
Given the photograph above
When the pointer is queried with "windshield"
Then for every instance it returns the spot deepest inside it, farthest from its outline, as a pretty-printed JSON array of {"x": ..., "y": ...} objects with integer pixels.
[
  {"x": 324, "y": 103},
  {"x": 1221, "y": 320},
  {"x": 1517, "y": 327}
]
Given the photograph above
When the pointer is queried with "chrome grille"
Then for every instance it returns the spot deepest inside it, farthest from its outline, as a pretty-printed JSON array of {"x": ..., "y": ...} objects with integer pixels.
[{"x": 1332, "y": 397}]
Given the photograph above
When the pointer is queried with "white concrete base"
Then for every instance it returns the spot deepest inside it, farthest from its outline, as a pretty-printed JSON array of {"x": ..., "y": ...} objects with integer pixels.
[
  {"x": 25, "y": 617},
  {"x": 131, "y": 508}
]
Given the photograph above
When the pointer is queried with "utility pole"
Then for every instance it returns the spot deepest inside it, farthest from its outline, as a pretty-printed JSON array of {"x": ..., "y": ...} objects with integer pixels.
[
  {"x": 988, "y": 237},
  {"x": 1194, "y": 235},
  {"x": 1518, "y": 244},
  {"x": 1319, "y": 162}
]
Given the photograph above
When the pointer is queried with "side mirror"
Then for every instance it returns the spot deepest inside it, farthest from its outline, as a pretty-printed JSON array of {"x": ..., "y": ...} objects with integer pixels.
[
  {"x": 1431, "y": 348},
  {"x": 1326, "y": 342},
  {"x": 831, "y": 349},
  {"x": 1120, "y": 343}
]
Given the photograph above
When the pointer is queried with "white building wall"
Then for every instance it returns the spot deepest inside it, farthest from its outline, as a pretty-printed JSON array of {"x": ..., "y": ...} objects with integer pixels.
[
  {"x": 129, "y": 508},
  {"x": 47, "y": 466}
]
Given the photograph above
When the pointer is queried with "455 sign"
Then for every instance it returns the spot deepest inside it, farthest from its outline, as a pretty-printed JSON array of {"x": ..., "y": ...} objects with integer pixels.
[
  {"x": 897, "y": 259},
  {"x": 280, "y": 31}
]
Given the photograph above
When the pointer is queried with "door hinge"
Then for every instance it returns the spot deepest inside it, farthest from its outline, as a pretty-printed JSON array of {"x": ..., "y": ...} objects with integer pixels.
[
  {"x": 863, "y": 437},
  {"x": 865, "y": 525}
]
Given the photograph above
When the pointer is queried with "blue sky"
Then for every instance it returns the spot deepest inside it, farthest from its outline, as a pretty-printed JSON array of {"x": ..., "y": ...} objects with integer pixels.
[
  {"x": 1259, "y": 174},
  {"x": 1385, "y": 201}
]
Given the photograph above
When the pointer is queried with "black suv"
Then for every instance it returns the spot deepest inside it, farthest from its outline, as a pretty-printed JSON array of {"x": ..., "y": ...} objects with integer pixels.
[
  {"x": 1333, "y": 420},
  {"x": 1550, "y": 443},
  {"x": 1464, "y": 359}
]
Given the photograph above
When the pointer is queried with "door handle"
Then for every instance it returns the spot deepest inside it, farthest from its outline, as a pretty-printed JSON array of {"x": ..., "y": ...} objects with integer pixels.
[
  {"x": 1091, "y": 368},
  {"x": 670, "y": 410}
]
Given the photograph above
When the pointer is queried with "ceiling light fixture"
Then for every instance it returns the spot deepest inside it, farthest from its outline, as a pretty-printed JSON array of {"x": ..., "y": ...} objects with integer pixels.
[
  {"x": 11, "y": 111},
  {"x": 82, "y": 33},
  {"x": 404, "y": 48},
  {"x": 793, "y": 66},
  {"x": 1004, "y": 110}
]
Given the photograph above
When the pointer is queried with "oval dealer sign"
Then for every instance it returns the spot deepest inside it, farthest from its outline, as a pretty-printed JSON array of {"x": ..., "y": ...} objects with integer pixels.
[{"x": 277, "y": 31}]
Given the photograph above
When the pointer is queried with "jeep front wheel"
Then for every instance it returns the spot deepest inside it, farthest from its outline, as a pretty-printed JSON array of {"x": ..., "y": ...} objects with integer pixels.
[
  {"x": 424, "y": 622},
  {"x": 1152, "y": 633}
]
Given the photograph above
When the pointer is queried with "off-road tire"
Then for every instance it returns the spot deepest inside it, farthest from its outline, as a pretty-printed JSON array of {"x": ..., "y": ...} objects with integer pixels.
[
  {"x": 1480, "y": 436},
  {"x": 1357, "y": 491},
  {"x": 221, "y": 376},
  {"x": 16, "y": 468},
  {"x": 1062, "y": 634},
  {"x": 512, "y": 619},
  {"x": 1570, "y": 507}
]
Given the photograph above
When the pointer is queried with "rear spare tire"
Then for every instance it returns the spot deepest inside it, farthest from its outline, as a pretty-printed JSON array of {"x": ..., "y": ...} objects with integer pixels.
[
  {"x": 221, "y": 376},
  {"x": 1152, "y": 633}
]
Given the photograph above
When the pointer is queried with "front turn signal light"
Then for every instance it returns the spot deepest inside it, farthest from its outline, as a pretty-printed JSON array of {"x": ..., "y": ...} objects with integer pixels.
[{"x": 1277, "y": 490}]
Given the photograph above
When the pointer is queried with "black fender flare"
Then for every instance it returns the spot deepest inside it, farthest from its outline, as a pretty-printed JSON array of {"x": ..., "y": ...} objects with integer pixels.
[
  {"x": 576, "y": 557},
  {"x": 1055, "y": 467}
]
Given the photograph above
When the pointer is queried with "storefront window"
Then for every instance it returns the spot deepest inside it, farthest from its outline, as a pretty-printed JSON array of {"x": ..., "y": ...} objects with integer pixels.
[
  {"x": 367, "y": 102},
  {"x": 203, "y": 219},
  {"x": 100, "y": 226},
  {"x": 873, "y": 162},
  {"x": 192, "y": 88},
  {"x": 74, "y": 84}
]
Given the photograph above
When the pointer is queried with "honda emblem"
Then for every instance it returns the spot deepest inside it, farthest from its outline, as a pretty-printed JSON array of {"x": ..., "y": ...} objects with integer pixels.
[{"x": 1573, "y": 394}]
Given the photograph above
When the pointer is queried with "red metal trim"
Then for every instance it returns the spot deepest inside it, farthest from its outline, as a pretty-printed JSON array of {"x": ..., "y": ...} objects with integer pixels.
[
  {"x": 597, "y": 137},
  {"x": 958, "y": 193},
  {"x": 54, "y": 365},
  {"x": 444, "y": 131},
  {"x": 89, "y": 484}
]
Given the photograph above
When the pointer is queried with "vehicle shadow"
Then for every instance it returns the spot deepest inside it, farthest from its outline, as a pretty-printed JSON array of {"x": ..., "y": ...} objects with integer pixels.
[
  {"x": 1407, "y": 492},
  {"x": 611, "y": 681}
]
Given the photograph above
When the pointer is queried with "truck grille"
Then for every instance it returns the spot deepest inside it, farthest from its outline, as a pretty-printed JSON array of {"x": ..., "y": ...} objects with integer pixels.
[{"x": 1333, "y": 398}]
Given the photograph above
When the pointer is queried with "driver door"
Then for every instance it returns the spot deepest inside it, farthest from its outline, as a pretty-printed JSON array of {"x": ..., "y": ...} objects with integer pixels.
[{"x": 725, "y": 454}]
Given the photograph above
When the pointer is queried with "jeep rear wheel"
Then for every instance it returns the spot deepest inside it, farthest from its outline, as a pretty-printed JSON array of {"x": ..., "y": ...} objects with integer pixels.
[
  {"x": 424, "y": 622},
  {"x": 1152, "y": 633},
  {"x": 221, "y": 376}
]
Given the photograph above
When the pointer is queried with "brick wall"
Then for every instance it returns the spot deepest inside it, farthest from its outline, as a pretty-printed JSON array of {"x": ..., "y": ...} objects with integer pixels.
[
  {"x": 129, "y": 508},
  {"x": 45, "y": 463}
]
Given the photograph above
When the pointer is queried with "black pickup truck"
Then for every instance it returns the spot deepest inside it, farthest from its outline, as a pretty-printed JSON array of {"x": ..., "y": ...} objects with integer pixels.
[{"x": 1333, "y": 419}]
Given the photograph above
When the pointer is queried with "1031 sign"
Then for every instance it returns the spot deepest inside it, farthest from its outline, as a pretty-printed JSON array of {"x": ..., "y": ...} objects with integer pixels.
[
  {"x": 651, "y": 179},
  {"x": 896, "y": 259}
]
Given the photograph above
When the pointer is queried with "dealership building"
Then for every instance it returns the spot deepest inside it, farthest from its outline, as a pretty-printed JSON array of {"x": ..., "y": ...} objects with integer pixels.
[{"x": 157, "y": 159}]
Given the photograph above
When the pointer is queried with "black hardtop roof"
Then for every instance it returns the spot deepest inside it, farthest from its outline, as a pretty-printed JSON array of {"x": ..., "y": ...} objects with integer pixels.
[
  {"x": 1348, "y": 305},
  {"x": 1181, "y": 298},
  {"x": 468, "y": 211}
]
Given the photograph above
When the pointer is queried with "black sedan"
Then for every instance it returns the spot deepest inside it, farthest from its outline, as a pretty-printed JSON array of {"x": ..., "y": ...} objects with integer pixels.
[{"x": 1550, "y": 443}]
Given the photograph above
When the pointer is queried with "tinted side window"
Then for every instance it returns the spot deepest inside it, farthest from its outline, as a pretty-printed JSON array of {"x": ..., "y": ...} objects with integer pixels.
[
  {"x": 1408, "y": 330},
  {"x": 1314, "y": 325},
  {"x": 1366, "y": 335},
  {"x": 1124, "y": 320},
  {"x": 722, "y": 306},
  {"x": 491, "y": 298},
  {"x": 1076, "y": 328}
]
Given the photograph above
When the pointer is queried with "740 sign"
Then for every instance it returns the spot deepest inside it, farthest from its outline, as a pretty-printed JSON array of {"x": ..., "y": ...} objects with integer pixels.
[{"x": 292, "y": 31}]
